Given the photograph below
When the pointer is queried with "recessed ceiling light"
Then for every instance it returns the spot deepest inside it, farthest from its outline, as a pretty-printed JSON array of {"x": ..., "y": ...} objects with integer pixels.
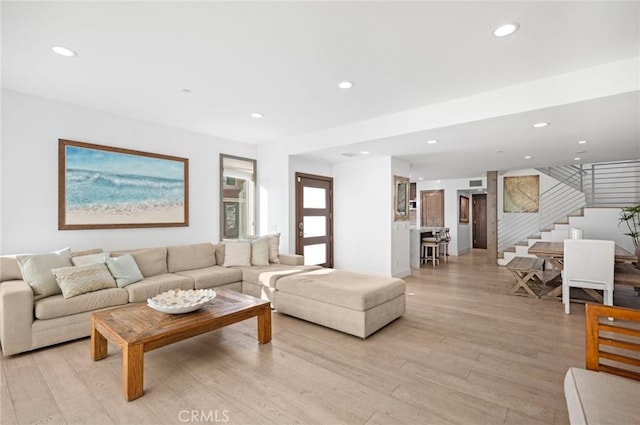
[
  {"x": 577, "y": 158},
  {"x": 506, "y": 29},
  {"x": 64, "y": 51},
  {"x": 582, "y": 142},
  {"x": 420, "y": 178},
  {"x": 186, "y": 91},
  {"x": 579, "y": 152},
  {"x": 257, "y": 115},
  {"x": 365, "y": 152},
  {"x": 345, "y": 84},
  {"x": 541, "y": 124},
  {"x": 438, "y": 181},
  {"x": 432, "y": 142},
  {"x": 527, "y": 157}
]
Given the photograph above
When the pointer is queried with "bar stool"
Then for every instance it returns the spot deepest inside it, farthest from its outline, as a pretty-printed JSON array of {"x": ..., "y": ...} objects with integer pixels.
[
  {"x": 444, "y": 244},
  {"x": 429, "y": 250}
]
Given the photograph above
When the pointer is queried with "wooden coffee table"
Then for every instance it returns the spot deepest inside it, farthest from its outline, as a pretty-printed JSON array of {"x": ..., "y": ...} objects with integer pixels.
[{"x": 138, "y": 328}]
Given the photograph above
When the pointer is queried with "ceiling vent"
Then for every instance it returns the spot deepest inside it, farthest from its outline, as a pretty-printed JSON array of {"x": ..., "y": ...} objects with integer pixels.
[
  {"x": 351, "y": 154},
  {"x": 475, "y": 183}
]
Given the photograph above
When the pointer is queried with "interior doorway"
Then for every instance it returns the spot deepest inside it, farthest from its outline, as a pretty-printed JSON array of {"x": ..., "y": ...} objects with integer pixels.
[
  {"x": 432, "y": 208},
  {"x": 479, "y": 228},
  {"x": 314, "y": 219}
]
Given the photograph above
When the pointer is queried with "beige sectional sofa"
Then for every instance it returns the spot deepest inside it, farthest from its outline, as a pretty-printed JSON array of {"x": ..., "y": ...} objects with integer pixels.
[
  {"x": 353, "y": 303},
  {"x": 27, "y": 323}
]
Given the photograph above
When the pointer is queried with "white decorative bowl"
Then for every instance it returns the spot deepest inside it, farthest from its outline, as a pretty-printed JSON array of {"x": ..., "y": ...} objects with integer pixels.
[{"x": 177, "y": 301}]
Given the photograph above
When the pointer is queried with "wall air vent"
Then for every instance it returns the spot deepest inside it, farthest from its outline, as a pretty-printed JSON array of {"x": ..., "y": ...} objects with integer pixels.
[{"x": 475, "y": 183}]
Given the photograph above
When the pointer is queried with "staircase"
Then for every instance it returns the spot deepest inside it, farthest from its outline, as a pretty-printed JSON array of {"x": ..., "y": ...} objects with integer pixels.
[{"x": 613, "y": 184}]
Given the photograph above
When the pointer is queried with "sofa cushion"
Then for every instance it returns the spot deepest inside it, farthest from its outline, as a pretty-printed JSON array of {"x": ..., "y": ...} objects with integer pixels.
[
  {"x": 36, "y": 270},
  {"x": 601, "y": 398},
  {"x": 190, "y": 257},
  {"x": 237, "y": 254},
  {"x": 9, "y": 268},
  {"x": 124, "y": 270},
  {"x": 78, "y": 280},
  {"x": 260, "y": 252},
  {"x": 88, "y": 259},
  {"x": 152, "y": 261},
  {"x": 269, "y": 275},
  {"x": 154, "y": 285},
  {"x": 351, "y": 290},
  {"x": 211, "y": 277},
  {"x": 58, "y": 306}
]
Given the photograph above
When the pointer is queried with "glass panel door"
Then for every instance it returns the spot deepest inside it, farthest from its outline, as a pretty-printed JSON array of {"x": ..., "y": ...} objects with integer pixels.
[{"x": 314, "y": 237}]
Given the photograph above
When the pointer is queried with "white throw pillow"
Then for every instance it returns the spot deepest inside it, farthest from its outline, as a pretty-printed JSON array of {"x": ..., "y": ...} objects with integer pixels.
[
  {"x": 274, "y": 247},
  {"x": 260, "y": 252},
  {"x": 237, "y": 254},
  {"x": 36, "y": 271},
  {"x": 124, "y": 270},
  {"x": 88, "y": 259}
]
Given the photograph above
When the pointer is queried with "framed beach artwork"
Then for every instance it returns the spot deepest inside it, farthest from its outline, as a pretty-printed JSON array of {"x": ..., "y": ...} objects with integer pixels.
[{"x": 102, "y": 187}]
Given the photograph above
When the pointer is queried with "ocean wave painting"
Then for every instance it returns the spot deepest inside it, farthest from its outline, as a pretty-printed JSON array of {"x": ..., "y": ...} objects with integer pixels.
[{"x": 109, "y": 188}]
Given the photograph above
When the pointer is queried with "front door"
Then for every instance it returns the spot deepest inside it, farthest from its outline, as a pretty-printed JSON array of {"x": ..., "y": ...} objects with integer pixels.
[
  {"x": 479, "y": 221},
  {"x": 314, "y": 219}
]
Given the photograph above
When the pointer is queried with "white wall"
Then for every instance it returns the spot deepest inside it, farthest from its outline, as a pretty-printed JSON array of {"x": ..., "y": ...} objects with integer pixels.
[
  {"x": 461, "y": 233},
  {"x": 602, "y": 223},
  {"x": 362, "y": 212},
  {"x": 29, "y": 168},
  {"x": 273, "y": 193}
]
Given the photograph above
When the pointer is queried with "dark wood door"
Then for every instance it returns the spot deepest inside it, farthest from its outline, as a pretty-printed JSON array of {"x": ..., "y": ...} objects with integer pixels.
[
  {"x": 314, "y": 219},
  {"x": 432, "y": 208},
  {"x": 479, "y": 221}
]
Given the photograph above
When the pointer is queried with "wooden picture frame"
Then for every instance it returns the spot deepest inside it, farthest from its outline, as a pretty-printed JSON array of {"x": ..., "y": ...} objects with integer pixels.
[
  {"x": 401, "y": 187},
  {"x": 103, "y": 187},
  {"x": 463, "y": 211}
]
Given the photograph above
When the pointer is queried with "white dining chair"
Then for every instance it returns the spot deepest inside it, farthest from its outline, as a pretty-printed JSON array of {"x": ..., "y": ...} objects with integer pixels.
[{"x": 588, "y": 264}]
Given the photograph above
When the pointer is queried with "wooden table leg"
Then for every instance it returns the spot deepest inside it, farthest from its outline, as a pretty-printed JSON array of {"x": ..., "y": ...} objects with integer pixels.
[
  {"x": 264, "y": 325},
  {"x": 98, "y": 344},
  {"x": 523, "y": 279},
  {"x": 133, "y": 371}
]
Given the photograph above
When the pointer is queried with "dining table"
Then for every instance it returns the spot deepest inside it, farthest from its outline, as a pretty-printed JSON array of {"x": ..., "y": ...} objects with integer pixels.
[{"x": 554, "y": 253}]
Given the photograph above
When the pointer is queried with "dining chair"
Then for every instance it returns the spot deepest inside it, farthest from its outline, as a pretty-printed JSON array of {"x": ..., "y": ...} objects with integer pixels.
[{"x": 588, "y": 264}]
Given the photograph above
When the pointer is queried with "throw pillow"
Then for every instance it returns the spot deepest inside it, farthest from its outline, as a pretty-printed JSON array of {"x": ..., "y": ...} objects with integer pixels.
[
  {"x": 274, "y": 248},
  {"x": 78, "y": 280},
  {"x": 124, "y": 270},
  {"x": 237, "y": 254},
  {"x": 88, "y": 259},
  {"x": 260, "y": 252},
  {"x": 36, "y": 271}
]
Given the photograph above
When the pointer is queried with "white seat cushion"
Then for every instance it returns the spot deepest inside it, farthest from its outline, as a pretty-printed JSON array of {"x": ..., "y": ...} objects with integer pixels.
[{"x": 601, "y": 398}]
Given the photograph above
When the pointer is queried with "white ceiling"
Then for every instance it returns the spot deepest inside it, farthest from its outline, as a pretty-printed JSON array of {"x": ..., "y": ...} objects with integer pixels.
[{"x": 285, "y": 59}]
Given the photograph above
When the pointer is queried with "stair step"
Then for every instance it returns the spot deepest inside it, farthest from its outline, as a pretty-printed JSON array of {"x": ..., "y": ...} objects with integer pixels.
[
  {"x": 536, "y": 236},
  {"x": 510, "y": 249},
  {"x": 522, "y": 243}
]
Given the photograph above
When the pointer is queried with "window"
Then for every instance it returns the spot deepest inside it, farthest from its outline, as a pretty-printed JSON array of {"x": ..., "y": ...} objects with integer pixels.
[{"x": 237, "y": 197}]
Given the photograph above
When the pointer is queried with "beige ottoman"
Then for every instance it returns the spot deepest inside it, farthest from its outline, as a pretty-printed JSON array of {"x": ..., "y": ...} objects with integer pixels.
[{"x": 354, "y": 303}]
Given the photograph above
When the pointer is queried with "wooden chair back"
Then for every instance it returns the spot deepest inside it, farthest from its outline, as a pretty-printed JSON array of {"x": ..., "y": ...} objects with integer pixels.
[{"x": 617, "y": 342}]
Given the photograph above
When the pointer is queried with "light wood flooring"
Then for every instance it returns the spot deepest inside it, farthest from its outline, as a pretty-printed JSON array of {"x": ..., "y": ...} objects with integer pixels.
[{"x": 465, "y": 353}]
